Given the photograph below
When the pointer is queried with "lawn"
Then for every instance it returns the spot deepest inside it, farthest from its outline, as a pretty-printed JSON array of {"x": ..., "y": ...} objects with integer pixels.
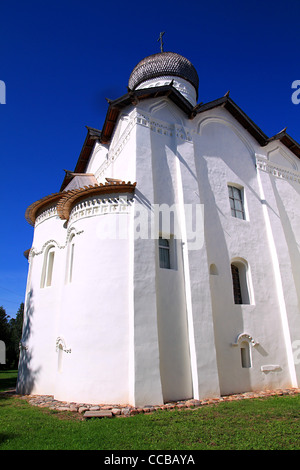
[{"x": 265, "y": 424}]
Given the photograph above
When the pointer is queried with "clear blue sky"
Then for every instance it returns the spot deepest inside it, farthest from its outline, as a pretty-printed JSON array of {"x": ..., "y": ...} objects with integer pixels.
[{"x": 61, "y": 58}]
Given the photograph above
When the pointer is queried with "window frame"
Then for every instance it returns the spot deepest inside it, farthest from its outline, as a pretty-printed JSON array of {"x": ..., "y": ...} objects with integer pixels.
[
  {"x": 245, "y": 351},
  {"x": 164, "y": 263},
  {"x": 237, "y": 204},
  {"x": 236, "y": 284},
  {"x": 48, "y": 265},
  {"x": 70, "y": 260},
  {"x": 242, "y": 287}
]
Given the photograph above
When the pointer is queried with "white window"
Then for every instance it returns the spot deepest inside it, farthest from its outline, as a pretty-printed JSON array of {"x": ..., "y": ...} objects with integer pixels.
[
  {"x": 236, "y": 199},
  {"x": 47, "y": 271},
  {"x": 164, "y": 253},
  {"x": 70, "y": 259}
]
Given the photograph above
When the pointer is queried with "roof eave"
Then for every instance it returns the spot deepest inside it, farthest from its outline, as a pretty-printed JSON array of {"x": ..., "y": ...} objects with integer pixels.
[
  {"x": 92, "y": 136},
  {"x": 133, "y": 98},
  {"x": 249, "y": 125},
  {"x": 227, "y": 103},
  {"x": 288, "y": 141}
]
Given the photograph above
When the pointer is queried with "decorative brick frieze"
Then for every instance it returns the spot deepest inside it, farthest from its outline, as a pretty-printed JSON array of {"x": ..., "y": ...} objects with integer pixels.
[
  {"x": 50, "y": 212},
  {"x": 276, "y": 170},
  {"x": 100, "y": 206}
]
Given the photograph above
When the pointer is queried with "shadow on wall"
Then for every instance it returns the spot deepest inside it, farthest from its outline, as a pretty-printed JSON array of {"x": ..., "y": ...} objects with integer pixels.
[
  {"x": 290, "y": 235},
  {"x": 228, "y": 320},
  {"x": 26, "y": 375}
]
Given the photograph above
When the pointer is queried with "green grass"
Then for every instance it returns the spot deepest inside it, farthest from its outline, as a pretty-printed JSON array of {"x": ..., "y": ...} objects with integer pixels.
[{"x": 265, "y": 424}]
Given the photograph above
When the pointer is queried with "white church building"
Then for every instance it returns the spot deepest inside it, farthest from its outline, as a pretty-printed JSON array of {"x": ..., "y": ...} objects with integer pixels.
[{"x": 167, "y": 266}]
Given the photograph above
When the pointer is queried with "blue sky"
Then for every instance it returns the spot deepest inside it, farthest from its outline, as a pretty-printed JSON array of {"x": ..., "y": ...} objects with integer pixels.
[{"x": 60, "y": 59}]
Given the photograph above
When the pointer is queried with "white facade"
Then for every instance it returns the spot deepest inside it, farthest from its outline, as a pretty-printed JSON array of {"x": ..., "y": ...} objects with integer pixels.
[{"x": 104, "y": 323}]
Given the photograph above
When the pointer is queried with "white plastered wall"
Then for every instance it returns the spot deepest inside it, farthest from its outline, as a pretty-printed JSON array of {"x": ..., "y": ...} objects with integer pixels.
[{"x": 118, "y": 319}]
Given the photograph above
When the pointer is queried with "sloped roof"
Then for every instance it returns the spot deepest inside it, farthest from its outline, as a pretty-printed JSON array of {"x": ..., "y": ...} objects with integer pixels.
[
  {"x": 92, "y": 136},
  {"x": 78, "y": 180},
  {"x": 104, "y": 136},
  {"x": 133, "y": 97}
]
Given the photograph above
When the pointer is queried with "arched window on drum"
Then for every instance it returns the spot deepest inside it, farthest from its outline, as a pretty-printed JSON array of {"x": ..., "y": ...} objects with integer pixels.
[
  {"x": 47, "y": 272},
  {"x": 70, "y": 259}
]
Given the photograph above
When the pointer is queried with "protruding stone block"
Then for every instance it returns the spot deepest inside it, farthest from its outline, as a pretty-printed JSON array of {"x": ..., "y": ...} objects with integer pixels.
[{"x": 98, "y": 414}]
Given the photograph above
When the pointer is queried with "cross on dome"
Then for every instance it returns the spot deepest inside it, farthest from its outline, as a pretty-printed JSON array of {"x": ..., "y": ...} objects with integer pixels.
[{"x": 161, "y": 41}]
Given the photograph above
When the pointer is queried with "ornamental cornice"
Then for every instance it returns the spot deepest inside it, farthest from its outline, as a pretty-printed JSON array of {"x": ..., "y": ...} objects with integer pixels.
[
  {"x": 95, "y": 206},
  {"x": 72, "y": 197},
  {"x": 33, "y": 252},
  {"x": 276, "y": 170},
  {"x": 46, "y": 214},
  {"x": 32, "y": 210},
  {"x": 163, "y": 128}
]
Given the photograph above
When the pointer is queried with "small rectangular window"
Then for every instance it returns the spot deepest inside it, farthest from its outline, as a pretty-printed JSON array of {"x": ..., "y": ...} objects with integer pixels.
[
  {"x": 164, "y": 253},
  {"x": 237, "y": 292},
  {"x": 236, "y": 202},
  {"x": 47, "y": 271},
  {"x": 50, "y": 268},
  {"x": 245, "y": 355},
  {"x": 71, "y": 262}
]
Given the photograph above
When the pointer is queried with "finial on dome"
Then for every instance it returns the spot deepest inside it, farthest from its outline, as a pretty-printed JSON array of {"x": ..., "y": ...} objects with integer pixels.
[{"x": 161, "y": 41}]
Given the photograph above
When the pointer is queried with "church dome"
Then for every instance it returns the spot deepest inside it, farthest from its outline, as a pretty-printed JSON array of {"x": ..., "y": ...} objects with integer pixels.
[{"x": 161, "y": 65}]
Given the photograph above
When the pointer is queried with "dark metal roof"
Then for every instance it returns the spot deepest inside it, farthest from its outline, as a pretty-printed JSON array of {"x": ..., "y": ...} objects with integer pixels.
[
  {"x": 133, "y": 97},
  {"x": 161, "y": 64}
]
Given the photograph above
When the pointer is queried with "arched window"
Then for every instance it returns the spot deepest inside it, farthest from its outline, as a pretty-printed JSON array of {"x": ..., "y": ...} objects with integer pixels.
[
  {"x": 240, "y": 281},
  {"x": 70, "y": 259},
  {"x": 61, "y": 349},
  {"x": 47, "y": 271},
  {"x": 213, "y": 270},
  {"x": 60, "y": 358},
  {"x": 164, "y": 253},
  {"x": 245, "y": 354}
]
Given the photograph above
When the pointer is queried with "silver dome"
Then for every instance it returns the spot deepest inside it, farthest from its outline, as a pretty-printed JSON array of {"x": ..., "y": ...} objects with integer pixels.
[{"x": 162, "y": 64}]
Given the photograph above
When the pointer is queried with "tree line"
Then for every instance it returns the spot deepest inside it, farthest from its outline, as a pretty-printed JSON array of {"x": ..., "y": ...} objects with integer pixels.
[{"x": 10, "y": 334}]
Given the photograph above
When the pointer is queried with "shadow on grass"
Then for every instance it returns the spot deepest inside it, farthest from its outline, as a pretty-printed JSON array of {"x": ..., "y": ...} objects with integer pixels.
[
  {"x": 8, "y": 380},
  {"x": 6, "y": 437}
]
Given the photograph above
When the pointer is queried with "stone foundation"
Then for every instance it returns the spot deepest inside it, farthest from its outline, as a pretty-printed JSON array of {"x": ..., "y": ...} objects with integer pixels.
[{"x": 48, "y": 401}]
